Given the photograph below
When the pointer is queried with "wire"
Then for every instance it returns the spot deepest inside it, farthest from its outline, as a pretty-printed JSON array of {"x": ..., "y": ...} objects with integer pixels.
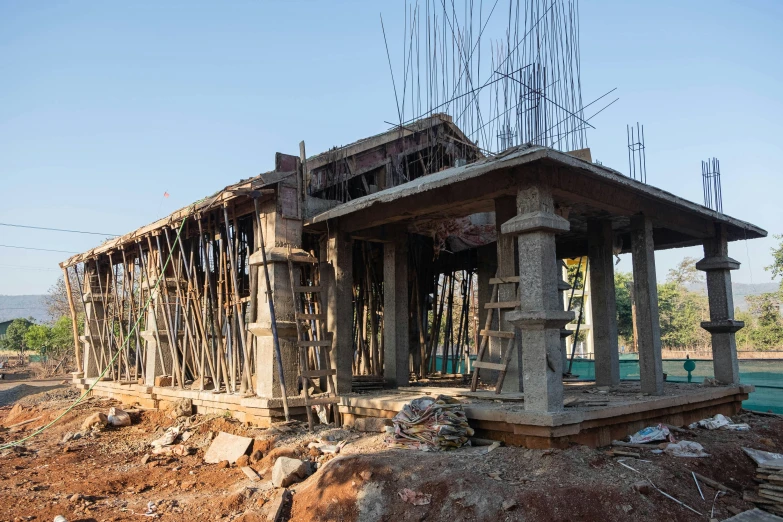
[
  {"x": 59, "y": 230},
  {"x": 41, "y": 249},
  {"x": 20, "y": 267},
  {"x": 142, "y": 312}
]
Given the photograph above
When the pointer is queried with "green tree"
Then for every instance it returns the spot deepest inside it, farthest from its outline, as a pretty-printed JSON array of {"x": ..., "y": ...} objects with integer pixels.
[
  {"x": 15, "y": 336},
  {"x": 622, "y": 291},
  {"x": 777, "y": 261}
]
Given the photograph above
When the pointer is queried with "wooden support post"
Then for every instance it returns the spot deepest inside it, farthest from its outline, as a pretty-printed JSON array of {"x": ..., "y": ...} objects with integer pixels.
[{"x": 74, "y": 326}]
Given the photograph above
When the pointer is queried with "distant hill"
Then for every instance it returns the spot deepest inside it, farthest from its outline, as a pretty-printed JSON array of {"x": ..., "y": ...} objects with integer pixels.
[
  {"x": 25, "y": 306},
  {"x": 740, "y": 291}
]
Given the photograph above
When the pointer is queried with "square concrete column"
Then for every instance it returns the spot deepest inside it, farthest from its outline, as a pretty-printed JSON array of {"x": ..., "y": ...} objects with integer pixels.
[
  {"x": 722, "y": 326},
  {"x": 396, "y": 347},
  {"x": 541, "y": 315},
  {"x": 645, "y": 295},
  {"x": 600, "y": 239},
  {"x": 340, "y": 306},
  {"x": 281, "y": 235},
  {"x": 506, "y": 209}
]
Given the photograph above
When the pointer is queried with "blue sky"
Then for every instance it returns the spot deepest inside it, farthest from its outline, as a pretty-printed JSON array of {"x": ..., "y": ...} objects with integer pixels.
[{"x": 107, "y": 105}]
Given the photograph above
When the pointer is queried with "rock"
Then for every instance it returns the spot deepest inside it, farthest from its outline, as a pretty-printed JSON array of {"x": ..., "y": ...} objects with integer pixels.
[
  {"x": 508, "y": 505},
  {"x": 315, "y": 452},
  {"x": 223, "y": 464},
  {"x": 76, "y": 497},
  {"x": 227, "y": 447},
  {"x": 242, "y": 461},
  {"x": 60, "y": 518},
  {"x": 15, "y": 412},
  {"x": 256, "y": 456},
  {"x": 95, "y": 421},
  {"x": 642, "y": 487},
  {"x": 366, "y": 475},
  {"x": 67, "y": 437},
  {"x": 263, "y": 445},
  {"x": 287, "y": 471},
  {"x": 182, "y": 408},
  {"x": 118, "y": 417},
  {"x": 251, "y": 473},
  {"x": 145, "y": 458},
  {"x": 163, "y": 381}
]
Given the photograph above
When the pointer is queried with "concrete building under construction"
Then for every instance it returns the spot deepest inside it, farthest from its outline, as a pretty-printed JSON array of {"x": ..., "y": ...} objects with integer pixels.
[{"x": 352, "y": 243}]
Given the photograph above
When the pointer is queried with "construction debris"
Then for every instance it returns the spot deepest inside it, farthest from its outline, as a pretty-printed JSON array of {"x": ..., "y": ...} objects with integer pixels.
[
  {"x": 651, "y": 434},
  {"x": 118, "y": 417},
  {"x": 227, "y": 447},
  {"x": 686, "y": 448},
  {"x": 430, "y": 424},
  {"x": 769, "y": 475},
  {"x": 286, "y": 471},
  {"x": 96, "y": 421},
  {"x": 719, "y": 422},
  {"x": 417, "y": 498}
]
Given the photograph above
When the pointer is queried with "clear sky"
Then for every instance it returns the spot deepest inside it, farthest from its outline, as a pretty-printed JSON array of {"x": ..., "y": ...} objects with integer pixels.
[{"x": 107, "y": 105}]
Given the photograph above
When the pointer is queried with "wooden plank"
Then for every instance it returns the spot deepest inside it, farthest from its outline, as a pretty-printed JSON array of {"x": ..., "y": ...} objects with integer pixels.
[
  {"x": 307, "y": 289},
  {"x": 489, "y": 365},
  {"x": 496, "y": 333},
  {"x": 502, "y": 280},
  {"x": 502, "y": 304},
  {"x": 310, "y": 317},
  {"x": 298, "y": 258},
  {"x": 318, "y": 373},
  {"x": 309, "y": 344}
]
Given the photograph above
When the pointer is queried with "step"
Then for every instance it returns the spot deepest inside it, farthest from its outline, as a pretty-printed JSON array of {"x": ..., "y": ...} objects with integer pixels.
[
  {"x": 318, "y": 373},
  {"x": 310, "y": 317},
  {"x": 489, "y": 365},
  {"x": 307, "y": 289},
  {"x": 496, "y": 333},
  {"x": 502, "y": 304},
  {"x": 310, "y": 344}
]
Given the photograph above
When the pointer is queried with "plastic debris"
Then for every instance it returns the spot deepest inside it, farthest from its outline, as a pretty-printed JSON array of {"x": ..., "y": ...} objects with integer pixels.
[
  {"x": 118, "y": 417},
  {"x": 430, "y": 424},
  {"x": 719, "y": 422},
  {"x": 60, "y": 518},
  {"x": 651, "y": 434},
  {"x": 417, "y": 498},
  {"x": 167, "y": 439},
  {"x": 686, "y": 448}
]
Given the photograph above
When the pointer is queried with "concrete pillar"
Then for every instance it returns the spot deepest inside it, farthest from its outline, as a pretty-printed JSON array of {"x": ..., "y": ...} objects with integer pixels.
[
  {"x": 645, "y": 294},
  {"x": 722, "y": 326},
  {"x": 396, "y": 348},
  {"x": 506, "y": 209},
  {"x": 280, "y": 235},
  {"x": 604, "y": 306},
  {"x": 540, "y": 316},
  {"x": 340, "y": 306},
  {"x": 94, "y": 357}
]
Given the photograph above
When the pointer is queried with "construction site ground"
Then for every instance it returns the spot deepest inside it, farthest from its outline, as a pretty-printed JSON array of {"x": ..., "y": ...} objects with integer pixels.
[{"x": 112, "y": 475}]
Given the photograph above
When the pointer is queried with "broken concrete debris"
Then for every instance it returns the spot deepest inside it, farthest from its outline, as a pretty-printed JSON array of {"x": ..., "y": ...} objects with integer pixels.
[
  {"x": 417, "y": 498},
  {"x": 286, "y": 471},
  {"x": 227, "y": 447},
  {"x": 168, "y": 438},
  {"x": 181, "y": 408},
  {"x": 96, "y": 421}
]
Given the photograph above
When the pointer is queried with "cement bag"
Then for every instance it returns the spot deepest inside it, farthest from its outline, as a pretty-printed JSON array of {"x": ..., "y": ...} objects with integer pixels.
[{"x": 118, "y": 417}]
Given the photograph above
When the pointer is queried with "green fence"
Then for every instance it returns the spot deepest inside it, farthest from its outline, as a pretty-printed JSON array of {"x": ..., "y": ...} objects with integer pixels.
[{"x": 765, "y": 374}]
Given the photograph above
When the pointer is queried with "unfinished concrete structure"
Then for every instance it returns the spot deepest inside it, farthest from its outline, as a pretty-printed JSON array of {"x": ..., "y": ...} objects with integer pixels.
[{"x": 378, "y": 214}]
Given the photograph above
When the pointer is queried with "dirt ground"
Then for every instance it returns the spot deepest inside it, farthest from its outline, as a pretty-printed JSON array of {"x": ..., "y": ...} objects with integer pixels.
[{"x": 108, "y": 476}]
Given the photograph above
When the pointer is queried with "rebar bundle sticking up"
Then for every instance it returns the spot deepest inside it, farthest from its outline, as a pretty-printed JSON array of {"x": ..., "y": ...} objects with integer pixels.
[
  {"x": 710, "y": 176},
  {"x": 637, "y": 156},
  {"x": 523, "y": 87}
]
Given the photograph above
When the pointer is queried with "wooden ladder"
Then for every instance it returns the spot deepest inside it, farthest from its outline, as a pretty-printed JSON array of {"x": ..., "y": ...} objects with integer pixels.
[
  {"x": 486, "y": 333},
  {"x": 311, "y": 333}
]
